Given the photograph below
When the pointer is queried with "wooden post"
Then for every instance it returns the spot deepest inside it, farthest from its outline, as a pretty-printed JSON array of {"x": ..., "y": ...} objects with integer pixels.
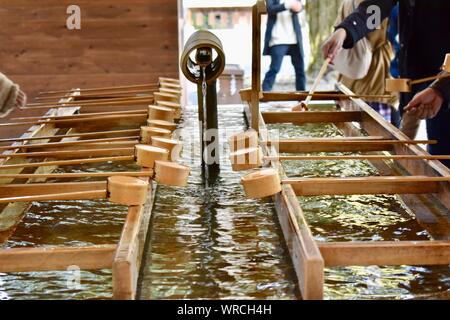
[
  {"x": 258, "y": 9},
  {"x": 127, "y": 262}
]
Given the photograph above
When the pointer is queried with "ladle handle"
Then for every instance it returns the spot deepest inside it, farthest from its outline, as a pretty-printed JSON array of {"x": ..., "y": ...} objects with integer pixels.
[{"x": 317, "y": 81}]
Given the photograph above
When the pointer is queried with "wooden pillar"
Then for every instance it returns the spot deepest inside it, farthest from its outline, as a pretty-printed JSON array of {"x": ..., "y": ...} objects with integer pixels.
[{"x": 257, "y": 10}]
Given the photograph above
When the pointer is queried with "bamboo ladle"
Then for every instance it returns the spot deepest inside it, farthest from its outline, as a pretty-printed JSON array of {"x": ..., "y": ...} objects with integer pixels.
[
  {"x": 82, "y": 119},
  {"x": 148, "y": 173},
  {"x": 75, "y": 135},
  {"x": 113, "y": 94},
  {"x": 67, "y": 143},
  {"x": 303, "y": 106},
  {"x": 166, "y": 81},
  {"x": 91, "y": 101},
  {"x": 404, "y": 85}
]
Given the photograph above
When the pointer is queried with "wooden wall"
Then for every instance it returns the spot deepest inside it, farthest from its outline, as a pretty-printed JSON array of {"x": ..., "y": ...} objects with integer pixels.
[{"x": 120, "y": 42}]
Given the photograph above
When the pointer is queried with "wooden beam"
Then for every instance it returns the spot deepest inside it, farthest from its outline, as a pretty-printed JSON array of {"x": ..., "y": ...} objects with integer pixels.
[
  {"x": 319, "y": 95},
  {"x": 52, "y": 259},
  {"x": 365, "y": 185},
  {"x": 305, "y": 255},
  {"x": 350, "y": 144},
  {"x": 386, "y": 253},
  {"x": 257, "y": 10},
  {"x": 126, "y": 265},
  {"x": 311, "y": 117}
]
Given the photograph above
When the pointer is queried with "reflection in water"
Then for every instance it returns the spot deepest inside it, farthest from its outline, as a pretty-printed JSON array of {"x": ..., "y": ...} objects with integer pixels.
[
  {"x": 224, "y": 248},
  {"x": 66, "y": 223},
  {"x": 228, "y": 247},
  {"x": 362, "y": 218}
]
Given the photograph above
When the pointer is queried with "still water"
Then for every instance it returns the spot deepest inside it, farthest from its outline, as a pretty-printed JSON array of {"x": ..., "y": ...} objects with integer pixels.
[
  {"x": 362, "y": 218},
  {"x": 215, "y": 244}
]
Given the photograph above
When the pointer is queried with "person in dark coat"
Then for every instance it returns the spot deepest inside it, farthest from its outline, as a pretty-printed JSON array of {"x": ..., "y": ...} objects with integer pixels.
[
  {"x": 284, "y": 37},
  {"x": 423, "y": 45}
]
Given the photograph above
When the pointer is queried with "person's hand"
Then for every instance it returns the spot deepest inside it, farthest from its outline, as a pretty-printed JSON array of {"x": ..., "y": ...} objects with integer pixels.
[
  {"x": 334, "y": 44},
  {"x": 425, "y": 104},
  {"x": 296, "y": 6},
  {"x": 302, "y": 106}
]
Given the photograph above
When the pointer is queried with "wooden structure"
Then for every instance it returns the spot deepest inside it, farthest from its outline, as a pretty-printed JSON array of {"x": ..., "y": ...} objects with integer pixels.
[
  {"x": 79, "y": 131},
  {"x": 131, "y": 41},
  {"x": 422, "y": 184}
]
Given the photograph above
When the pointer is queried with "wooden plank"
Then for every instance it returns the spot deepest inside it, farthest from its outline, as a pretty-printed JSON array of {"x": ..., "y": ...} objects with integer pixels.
[
  {"x": 43, "y": 54},
  {"x": 365, "y": 185},
  {"x": 318, "y": 96},
  {"x": 127, "y": 261},
  {"x": 293, "y": 146},
  {"x": 350, "y": 144},
  {"x": 311, "y": 117},
  {"x": 386, "y": 253},
  {"x": 307, "y": 260},
  {"x": 53, "y": 259},
  {"x": 257, "y": 10}
]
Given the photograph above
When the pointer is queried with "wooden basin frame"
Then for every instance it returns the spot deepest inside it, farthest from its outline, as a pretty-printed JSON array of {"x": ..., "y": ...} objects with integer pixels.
[
  {"x": 428, "y": 199},
  {"x": 309, "y": 256},
  {"x": 123, "y": 258}
]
